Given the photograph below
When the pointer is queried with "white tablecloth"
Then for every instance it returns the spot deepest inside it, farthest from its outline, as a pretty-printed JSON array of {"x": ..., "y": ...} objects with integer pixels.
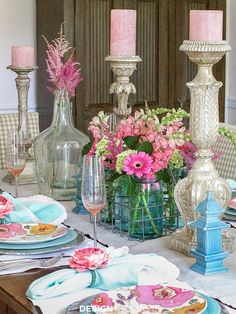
[{"x": 221, "y": 286}]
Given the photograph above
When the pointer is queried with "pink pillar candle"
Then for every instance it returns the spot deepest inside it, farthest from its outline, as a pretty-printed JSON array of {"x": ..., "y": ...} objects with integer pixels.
[
  {"x": 205, "y": 25},
  {"x": 123, "y": 33},
  {"x": 22, "y": 56}
]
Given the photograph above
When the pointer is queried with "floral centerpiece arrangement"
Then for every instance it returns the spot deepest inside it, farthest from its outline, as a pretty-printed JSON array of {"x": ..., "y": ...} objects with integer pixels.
[
  {"x": 136, "y": 152},
  {"x": 150, "y": 147}
]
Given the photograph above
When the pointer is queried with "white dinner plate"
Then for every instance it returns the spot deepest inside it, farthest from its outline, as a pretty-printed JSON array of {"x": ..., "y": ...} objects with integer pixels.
[{"x": 17, "y": 233}]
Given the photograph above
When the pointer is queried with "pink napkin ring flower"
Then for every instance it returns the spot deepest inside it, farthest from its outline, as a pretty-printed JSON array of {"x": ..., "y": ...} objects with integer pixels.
[
  {"x": 6, "y": 206},
  {"x": 88, "y": 259}
]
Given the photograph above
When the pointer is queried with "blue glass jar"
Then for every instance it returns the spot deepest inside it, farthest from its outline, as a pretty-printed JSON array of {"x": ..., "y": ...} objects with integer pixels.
[
  {"x": 140, "y": 215},
  {"x": 173, "y": 219}
]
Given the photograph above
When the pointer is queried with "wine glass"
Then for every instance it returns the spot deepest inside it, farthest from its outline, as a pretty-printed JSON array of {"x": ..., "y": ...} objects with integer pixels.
[
  {"x": 15, "y": 155},
  {"x": 93, "y": 189}
]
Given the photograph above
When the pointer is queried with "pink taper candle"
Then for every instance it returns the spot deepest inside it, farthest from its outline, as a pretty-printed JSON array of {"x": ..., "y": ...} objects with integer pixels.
[
  {"x": 123, "y": 33},
  {"x": 205, "y": 25},
  {"x": 22, "y": 56}
]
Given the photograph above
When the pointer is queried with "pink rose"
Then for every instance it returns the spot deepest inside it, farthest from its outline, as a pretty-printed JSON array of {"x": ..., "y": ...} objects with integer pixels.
[
  {"x": 88, "y": 258},
  {"x": 6, "y": 206}
]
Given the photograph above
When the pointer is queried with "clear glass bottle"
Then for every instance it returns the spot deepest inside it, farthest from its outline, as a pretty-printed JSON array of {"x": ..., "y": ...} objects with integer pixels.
[{"x": 58, "y": 152}]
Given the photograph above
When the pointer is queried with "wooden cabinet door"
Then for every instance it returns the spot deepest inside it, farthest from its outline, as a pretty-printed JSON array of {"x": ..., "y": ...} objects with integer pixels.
[
  {"x": 162, "y": 25},
  {"x": 49, "y": 16},
  {"x": 93, "y": 34},
  {"x": 92, "y": 20},
  {"x": 151, "y": 77}
]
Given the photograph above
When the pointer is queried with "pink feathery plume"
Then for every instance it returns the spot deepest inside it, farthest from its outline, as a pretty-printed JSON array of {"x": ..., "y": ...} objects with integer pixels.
[
  {"x": 62, "y": 76},
  {"x": 70, "y": 76},
  {"x": 61, "y": 44}
]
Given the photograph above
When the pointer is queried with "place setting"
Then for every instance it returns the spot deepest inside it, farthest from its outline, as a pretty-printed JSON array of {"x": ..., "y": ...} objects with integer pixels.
[{"x": 25, "y": 235}]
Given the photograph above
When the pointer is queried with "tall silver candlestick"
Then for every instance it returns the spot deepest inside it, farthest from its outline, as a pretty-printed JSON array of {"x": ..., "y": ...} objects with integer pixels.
[
  {"x": 123, "y": 67},
  {"x": 204, "y": 123},
  {"x": 22, "y": 85}
]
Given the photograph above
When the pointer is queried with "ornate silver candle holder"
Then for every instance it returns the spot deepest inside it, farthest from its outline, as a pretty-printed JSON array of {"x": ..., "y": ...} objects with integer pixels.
[
  {"x": 204, "y": 123},
  {"x": 123, "y": 67},
  {"x": 22, "y": 85}
]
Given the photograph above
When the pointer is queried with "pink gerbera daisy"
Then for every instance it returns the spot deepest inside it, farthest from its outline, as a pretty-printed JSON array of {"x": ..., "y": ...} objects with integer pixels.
[{"x": 138, "y": 164}]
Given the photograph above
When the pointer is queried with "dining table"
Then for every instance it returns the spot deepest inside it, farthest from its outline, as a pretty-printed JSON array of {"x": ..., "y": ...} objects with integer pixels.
[{"x": 13, "y": 286}]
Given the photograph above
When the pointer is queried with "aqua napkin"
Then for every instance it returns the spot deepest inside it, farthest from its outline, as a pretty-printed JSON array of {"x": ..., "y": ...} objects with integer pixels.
[
  {"x": 124, "y": 271},
  {"x": 35, "y": 209}
]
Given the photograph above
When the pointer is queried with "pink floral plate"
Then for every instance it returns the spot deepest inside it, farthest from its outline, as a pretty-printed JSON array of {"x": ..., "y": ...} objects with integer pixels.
[
  {"x": 160, "y": 299},
  {"x": 17, "y": 233}
]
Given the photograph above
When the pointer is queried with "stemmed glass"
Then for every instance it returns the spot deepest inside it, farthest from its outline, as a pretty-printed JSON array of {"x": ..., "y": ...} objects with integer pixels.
[
  {"x": 93, "y": 189},
  {"x": 15, "y": 155}
]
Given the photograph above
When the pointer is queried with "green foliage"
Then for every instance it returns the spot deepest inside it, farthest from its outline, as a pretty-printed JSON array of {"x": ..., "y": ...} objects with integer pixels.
[
  {"x": 128, "y": 183},
  {"x": 145, "y": 147},
  {"x": 131, "y": 141},
  {"x": 164, "y": 176},
  {"x": 231, "y": 136},
  {"x": 86, "y": 148}
]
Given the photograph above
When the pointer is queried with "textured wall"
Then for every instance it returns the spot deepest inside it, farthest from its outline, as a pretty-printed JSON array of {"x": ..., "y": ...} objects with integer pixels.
[{"x": 17, "y": 27}]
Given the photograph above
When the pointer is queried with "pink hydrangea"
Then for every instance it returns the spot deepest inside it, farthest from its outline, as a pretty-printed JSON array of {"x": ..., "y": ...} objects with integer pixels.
[
  {"x": 88, "y": 258},
  {"x": 6, "y": 206},
  {"x": 138, "y": 164}
]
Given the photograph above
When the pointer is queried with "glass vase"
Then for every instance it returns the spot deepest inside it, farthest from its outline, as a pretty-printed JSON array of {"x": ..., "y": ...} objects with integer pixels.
[
  {"x": 58, "y": 152},
  {"x": 173, "y": 219},
  {"x": 79, "y": 206},
  {"x": 106, "y": 214},
  {"x": 141, "y": 215}
]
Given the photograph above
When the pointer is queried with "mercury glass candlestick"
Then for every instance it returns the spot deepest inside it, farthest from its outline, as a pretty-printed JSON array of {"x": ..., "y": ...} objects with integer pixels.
[
  {"x": 22, "y": 85},
  {"x": 204, "y": 124},
  {"x": 123, "y": 67}
]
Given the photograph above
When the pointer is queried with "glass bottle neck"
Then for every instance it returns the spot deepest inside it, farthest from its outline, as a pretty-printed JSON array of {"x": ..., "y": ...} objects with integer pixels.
[{"x": 62, "y": 113}]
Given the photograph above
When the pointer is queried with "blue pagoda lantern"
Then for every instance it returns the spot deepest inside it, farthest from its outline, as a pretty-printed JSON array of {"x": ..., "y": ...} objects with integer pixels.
[{"x": 208, "y": 251}]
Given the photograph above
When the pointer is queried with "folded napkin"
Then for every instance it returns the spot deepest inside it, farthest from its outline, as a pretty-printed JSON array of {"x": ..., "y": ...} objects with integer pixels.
[
  {"x": 35, "y": 209},
  {"x": 122, "y": 271}
]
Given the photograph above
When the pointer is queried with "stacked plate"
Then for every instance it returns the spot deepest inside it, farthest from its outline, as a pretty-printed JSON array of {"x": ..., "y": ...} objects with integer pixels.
[
  {"x": 147, "y": 299},
  {"x": 24, "y": 239},
  {"x": 230, "y": 212}
]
